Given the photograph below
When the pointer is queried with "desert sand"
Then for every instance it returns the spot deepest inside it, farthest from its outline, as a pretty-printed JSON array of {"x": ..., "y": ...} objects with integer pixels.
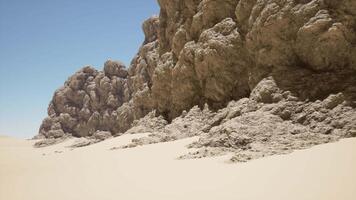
[{"x": 153, "y": 172}]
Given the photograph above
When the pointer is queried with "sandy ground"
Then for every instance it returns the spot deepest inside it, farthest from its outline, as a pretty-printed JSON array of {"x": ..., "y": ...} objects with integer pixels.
[{"x": 152, "y": 172}]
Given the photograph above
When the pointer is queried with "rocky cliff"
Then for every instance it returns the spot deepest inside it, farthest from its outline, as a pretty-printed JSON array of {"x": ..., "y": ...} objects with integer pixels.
[{"x": 258, "y": 70}]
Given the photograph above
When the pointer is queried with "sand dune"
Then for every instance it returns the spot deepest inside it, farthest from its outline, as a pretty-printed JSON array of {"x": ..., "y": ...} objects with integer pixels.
[{"x": 152, "y": 172}]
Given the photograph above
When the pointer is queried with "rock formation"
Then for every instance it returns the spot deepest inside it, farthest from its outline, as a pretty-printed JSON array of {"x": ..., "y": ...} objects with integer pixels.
[
  {"x": 110, "y": 100},
  {"x": 261, "y": 72}
]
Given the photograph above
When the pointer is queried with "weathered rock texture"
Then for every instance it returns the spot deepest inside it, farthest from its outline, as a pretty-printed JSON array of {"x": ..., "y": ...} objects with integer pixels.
[
  {"x": 93, "y": 101},
  {"x": 271, "y": 121},
  {"x": 266, "y": 69},
  {"x": 275, "y": 122}
]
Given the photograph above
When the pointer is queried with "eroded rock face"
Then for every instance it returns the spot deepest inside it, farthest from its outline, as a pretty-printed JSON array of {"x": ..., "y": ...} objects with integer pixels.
[
  {"x": 271, "y": 57},
  {"x": 252, "y": 128},
  {"x": 218, "y": 51},
  {"x": 306, "y": 45},
  {"x": 87, "y": 102},
  {"x": 107, "y": 101},
  {"x": 271, "y": 121}
]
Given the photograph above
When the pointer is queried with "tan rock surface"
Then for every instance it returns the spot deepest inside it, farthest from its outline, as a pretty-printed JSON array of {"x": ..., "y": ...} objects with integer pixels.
[{"x": 287, "y": 66}]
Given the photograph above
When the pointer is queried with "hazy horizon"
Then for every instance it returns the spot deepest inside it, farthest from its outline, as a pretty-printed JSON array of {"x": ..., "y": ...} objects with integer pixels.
[{"x": 44, "y": 42}]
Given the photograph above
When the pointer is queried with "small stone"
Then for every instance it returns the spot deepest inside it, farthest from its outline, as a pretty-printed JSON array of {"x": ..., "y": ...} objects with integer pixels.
[
  {"x": 352, "y": 133},
  {"x": 286, "y": 114},
  {"x": 333, "y": 100},
  {"x": 101, "y": 135},
  {"x": 301, "y": 118}
]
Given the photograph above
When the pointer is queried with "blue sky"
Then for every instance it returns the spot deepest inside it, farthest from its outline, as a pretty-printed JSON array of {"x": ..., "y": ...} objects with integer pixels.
[{"x": 43, "y": 42}]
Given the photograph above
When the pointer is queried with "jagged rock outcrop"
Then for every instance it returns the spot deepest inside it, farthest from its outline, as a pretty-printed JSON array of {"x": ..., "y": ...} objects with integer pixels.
[
  {"x": 87, "y": 102},
  {"x": 271, "y": 121},
  {"x": 278, "y": 123},
  {"x": 108, "y": 100},
  {"x": 284, "y": 66},
  {"x": 189, "y": 124},
  {"x": 217, "y": 51}
]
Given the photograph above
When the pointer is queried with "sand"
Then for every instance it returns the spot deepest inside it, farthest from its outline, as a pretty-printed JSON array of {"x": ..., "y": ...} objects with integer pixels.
[{"x": 153, "y": 172}]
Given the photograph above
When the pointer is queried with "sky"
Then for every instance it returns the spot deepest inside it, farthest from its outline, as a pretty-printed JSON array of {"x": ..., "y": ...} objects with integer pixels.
[{"x": 43, "y": 42}]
